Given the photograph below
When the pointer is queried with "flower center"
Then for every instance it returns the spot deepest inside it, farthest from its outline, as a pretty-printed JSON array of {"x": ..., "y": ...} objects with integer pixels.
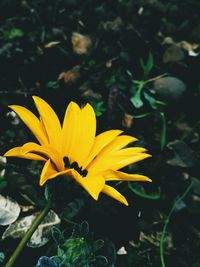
[{"x": 74, "y": 166}]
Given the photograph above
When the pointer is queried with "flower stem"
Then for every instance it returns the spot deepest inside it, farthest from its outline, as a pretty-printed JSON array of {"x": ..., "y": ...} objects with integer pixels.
[{"x": 29, "y": 233}]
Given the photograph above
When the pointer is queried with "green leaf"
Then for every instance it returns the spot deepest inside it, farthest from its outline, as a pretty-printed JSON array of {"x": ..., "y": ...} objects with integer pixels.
[
  {"x": 99, "y": 107},
  {"x": 84, "y": 230},
  {"x": 148, "y": 66},
  {"x": 129, "y": 74},
  {"x": 138, "y": 192},
  {"x": 163, "y": 132},
  {"x": 73, "y": 208},
  {"x": 52, "y": 84},
  {"x": 102, "y": 260},
  {"x": 57, "y": 235},
  {"x": 150, "y": 99},
  {"x": 76, "y": 249},
  {"x": 136, "y": 99},
  {"x": 12, "y": 34},
  {"x": 2, "y": 257},
  {"x": 144, "y": 115},
  {"x": 98, "y": 244},
  {"x": 3, "y": 183}
]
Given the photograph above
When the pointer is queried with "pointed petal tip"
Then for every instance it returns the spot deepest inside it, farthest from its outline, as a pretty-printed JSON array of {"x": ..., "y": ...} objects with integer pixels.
[
  {"x": 88, "y": 105},
  {"x": 125, "y": 202},
  {"x": 145, "y": 179},
  {"x": 95, "y": 197},
  {"x": 36, "y": 98},
  {"x": 12, "y": 106},
  {"x": 11, "y": 153},
  {"x": 73, "y": 106},
  {"x": 41, "y": 183},
  {"x": 146, "y": 155}
]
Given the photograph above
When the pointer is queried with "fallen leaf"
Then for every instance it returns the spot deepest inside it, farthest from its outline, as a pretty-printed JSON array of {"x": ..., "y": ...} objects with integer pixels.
[
  {"x": 154, "y": 239},
  {"x": 91, "y": 95},
  {"x": 70, "y": 76},
  {"x": 81, "y": 43},
  {"x": 40, "y": 236},
  {"x": 52, "y": 44},
  {"x": 127, "y": 120},
  {"x": 113, "y": 25},
  {"x": 9, "y": 210},
  {"x": 184, "y": 156},
  {"x": 122, "y": 251},
  {"x": 173, "y": 53}
]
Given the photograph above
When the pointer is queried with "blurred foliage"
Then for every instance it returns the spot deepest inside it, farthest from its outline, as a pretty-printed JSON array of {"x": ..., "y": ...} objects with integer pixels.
[{"x": 80, "y": 250}]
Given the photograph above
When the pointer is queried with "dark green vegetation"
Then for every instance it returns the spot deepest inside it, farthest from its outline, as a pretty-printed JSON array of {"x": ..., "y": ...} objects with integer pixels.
[{"x": 137, "y": 63}]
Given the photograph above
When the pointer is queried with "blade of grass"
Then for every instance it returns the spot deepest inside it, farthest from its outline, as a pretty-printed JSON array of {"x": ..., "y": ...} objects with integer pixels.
[
  {"x": 164, "y": 131},
  {"x": 142, "y": 115},
  {"x": 162, "y": 259},
  {"x": 142, "y": 194}
]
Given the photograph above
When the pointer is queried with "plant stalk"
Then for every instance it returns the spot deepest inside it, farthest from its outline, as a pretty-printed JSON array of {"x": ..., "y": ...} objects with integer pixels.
[{"x": 29, "y": 233}]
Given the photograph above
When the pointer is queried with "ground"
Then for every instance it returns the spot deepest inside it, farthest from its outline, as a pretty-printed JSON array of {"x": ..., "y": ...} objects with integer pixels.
[{"x": 137, "y": 63}]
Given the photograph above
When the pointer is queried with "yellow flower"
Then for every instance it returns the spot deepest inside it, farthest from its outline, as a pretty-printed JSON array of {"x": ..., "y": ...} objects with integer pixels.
[{"x": 73, "y": 150}]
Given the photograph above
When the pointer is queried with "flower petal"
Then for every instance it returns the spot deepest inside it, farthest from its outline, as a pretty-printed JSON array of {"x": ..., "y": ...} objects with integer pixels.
[
  {"x": 49, "y": 172},
  {"x": 69, "y": 128},
  {"x": 118, "y": 143},
  {"x": 79, "y": 128},
  {"x": 111, "y": 175},
  {"x": 50, "y": 121},
  {"x": 130, "y": 151},
  {"x": 112, "y": 192},
  {"x": 92, "y": 184},
  {"x": 17, "y": 152},
  {"x": 101, "y": 141},
  {"x": 111, "y": 149},
  {"x": 32, "y": 122},
  {"x": 33, "y": 148},
  {"x": 115, "y": 162}
]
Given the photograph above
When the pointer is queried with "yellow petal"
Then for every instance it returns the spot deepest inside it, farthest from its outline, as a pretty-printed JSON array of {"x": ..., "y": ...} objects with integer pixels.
[
  {"x": 118, "y": 143},
  {"x": 112, "y": 192},
  {"x": 17, "y": 152},
  {"x": 92, "y": 184},
  {"x": 111, "y": 175},
  {"x": 49, "y": 172},
  {"x": 70, "y": 125},
  {"x": 33, "y": 148},
  {"x": 32, "y": 122},
  {"x": 115, "y": 162},
  {"x": 130, "y": 151},
  {"x": 100, "y": 142},
  {"x": 47, "y": 151},
  {"x": 79, "y": 128},
  {"x": 50, "y": 121}
]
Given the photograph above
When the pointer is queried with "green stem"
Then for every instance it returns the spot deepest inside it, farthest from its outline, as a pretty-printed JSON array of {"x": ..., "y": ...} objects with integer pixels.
[
  {"x": 167, "y": 222},
  {"x": 29, "y": 233}
]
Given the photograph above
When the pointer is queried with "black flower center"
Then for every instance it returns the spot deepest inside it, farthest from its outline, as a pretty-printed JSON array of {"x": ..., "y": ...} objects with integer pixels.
[{"x": 74, "y": 166}]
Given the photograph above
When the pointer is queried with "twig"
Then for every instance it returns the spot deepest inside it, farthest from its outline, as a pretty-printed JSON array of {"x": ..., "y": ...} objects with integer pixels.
[{"x": 28, "y": 234}]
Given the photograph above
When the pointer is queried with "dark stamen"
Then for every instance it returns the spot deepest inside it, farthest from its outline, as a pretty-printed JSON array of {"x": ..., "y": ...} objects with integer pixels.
[
  {"x": 66, "y": 162},
  {"x": 84, "y": 173},
  {"x": 75, "y": 166}
]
